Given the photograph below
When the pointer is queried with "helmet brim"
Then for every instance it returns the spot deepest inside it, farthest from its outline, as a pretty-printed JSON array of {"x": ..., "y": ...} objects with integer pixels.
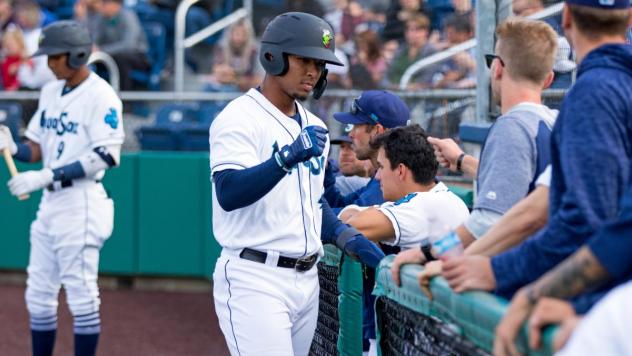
[
  {"x": 47, "y": 51},
  {"x": 322, "y": 54}
]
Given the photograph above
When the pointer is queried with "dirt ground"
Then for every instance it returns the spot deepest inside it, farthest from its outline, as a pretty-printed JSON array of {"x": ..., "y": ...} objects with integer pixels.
[{"x": 134, "y": 322}]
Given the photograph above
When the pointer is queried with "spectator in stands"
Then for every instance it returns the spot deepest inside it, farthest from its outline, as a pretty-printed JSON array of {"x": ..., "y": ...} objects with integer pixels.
[
  {"x": 523, "y": 8},
  {"x": 460, "y": 70},
  {"x": 563, "y": 66},
  {"x": 6, "y": 14},
  {"x": 580, "y": 202},
  {"x": 334, "y": 16},
  {"x": 415, "y": 48},
  {"x": 34, "y": 72},
  {"x": 368, "y": 65},
  {"x": 87, "y": 12},
  {"x": 354, "y": 173},
  {"x": 398, "y": 14},
  {"x": 338, "y": 76},
  {"x": 28, "y": 17},
  {"x": 120, "y": 34},
  {"x": 516, "y": 149},
  {"x": 14, "y": 50},
  {"x": 352, "y": 17},
  {"x": 417, "y": 206},
  {"x": 389, "y": 50},
  {"x": 236, "y": 57}
]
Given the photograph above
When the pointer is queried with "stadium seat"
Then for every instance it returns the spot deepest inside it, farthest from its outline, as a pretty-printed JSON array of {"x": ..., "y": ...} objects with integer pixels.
[
  {"x": 177, "y": 127},
  {"x": 194, "y": 138},
  {"x": 156, "y": 37},
  {"x": 10, "y": 116}
]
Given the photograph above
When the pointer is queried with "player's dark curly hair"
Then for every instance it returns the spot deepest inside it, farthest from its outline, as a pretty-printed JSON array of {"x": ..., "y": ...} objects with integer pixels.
[{"x": 409, "y": 145}]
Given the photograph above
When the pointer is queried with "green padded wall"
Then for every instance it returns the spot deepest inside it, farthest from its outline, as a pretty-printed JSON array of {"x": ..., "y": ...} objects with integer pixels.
[
  {"x": 15, "y": 221},
  {"x": 171, "y": 214},
  {"x": 118, "y": 255}
]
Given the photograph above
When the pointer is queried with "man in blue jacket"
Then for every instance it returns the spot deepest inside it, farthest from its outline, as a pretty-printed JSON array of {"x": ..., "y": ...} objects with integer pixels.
[{"x": 590, "y": 153}]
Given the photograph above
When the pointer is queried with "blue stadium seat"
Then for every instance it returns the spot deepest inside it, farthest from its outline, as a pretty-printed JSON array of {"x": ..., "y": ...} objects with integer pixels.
[
  {"x": 156, "y": 37},
  {"x": 177, "y": 113},
  {"x": 170, "y": 130},
  {"x": 10, "y": 116},
  {"x": 194, "y": 138}
]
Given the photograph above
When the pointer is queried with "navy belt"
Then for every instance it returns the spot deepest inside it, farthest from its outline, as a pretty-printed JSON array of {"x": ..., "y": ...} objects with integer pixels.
[
  {"x": 62, "y": 185},
  {"x": 299, "y": 264}
]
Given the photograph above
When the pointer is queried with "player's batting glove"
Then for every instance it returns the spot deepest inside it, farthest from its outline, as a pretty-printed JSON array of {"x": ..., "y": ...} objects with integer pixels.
[
  {"x": 6, "y": 140},
  {"x": 310, "y": 143},
  {"x": 30, "y": 181},
  {"x": 358, "y": 247}
]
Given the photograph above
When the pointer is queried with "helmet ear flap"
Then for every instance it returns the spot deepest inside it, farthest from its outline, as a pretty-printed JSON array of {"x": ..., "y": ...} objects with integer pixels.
[
  {"x": 78, "y": 57},
  {"x": 273, "y": 60}
]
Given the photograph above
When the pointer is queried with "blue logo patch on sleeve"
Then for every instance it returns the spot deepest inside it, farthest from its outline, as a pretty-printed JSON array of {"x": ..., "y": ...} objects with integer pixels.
[
  {"x": 406, "y": 199},
  {"x": 112, "y": 118}
]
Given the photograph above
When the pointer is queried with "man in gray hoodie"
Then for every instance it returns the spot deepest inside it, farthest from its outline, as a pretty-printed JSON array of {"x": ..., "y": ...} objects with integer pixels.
[{"x": 119, "y": 33}]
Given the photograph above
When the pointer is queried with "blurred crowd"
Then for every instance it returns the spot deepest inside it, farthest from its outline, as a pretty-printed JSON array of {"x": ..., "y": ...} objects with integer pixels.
[{"x": 376, "y": 39}]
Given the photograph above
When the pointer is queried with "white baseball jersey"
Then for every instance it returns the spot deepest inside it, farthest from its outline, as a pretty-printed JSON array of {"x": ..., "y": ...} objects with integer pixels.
[
  {"x": 287, "y": 219},
  {"x": 66, "y": 126},
  {"x": 422, "y": 215}
]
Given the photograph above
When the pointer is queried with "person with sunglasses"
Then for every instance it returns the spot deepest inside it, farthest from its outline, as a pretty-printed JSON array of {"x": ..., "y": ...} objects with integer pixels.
[{"x": 516, "y": 150}]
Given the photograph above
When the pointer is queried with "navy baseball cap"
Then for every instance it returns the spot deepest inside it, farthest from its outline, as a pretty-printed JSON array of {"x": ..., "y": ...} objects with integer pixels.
[
  {"x": 602, "y": 4},
  {"x": 376, "y": 107},
  {"x": 344, "y": 137}
]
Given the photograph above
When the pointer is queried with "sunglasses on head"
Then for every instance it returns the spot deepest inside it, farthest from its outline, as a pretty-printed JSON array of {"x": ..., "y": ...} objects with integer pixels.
[
  {"x": 489, "y": 58},
  {"x": 355, "y": 108}
]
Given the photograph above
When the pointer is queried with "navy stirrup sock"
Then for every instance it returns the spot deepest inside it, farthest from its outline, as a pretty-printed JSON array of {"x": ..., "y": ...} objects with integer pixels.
[
  {"x": 86, "y": 344},
  {"x": 43, "y": 342}
]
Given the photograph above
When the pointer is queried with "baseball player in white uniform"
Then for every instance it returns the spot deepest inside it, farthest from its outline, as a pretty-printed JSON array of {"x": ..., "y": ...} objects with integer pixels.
[
  {"x": 76, "y": 133},
  {"x": 267, "y": 167},
  {"x": 417, "y": 206}
]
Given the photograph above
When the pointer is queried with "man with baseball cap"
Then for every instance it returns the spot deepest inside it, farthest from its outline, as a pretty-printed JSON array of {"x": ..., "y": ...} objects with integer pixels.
[
  {"x": 352, "y": 173},
  {"x": 372, "y": 113},
  {"x": 591, "y": 161}
]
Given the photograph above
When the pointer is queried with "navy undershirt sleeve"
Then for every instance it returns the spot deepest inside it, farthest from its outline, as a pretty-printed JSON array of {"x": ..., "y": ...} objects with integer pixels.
[
  {"x": 24, "y": 152},
  {"x": 238, "y": 188}
]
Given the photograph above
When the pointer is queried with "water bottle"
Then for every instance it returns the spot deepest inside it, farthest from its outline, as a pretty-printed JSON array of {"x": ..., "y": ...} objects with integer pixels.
[{"x": 447, "y": 246}]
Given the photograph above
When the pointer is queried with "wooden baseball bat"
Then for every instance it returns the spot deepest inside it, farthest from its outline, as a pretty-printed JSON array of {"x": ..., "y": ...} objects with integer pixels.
[{"x": 12, "y": 169}]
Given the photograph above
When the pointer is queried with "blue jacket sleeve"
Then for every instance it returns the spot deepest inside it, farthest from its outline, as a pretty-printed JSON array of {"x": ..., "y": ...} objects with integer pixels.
[
  {"x": 332, "y": 194},
  {"x": 585, "y": 152},
  {"x": 612, "y": 245},
  {"x": 238, "y": 188}
]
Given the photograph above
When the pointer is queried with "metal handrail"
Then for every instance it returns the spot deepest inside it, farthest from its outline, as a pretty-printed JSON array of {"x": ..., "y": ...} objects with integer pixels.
[
  {"x": 110, "y": 66},
  {"x": 435, "y": 94},
  {"x": 182, "y": 42},
  {"x": 469, "y": 44}
]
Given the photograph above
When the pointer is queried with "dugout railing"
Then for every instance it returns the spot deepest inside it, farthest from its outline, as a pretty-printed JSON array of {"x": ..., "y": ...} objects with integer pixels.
[{"x": 407, "y": 322}]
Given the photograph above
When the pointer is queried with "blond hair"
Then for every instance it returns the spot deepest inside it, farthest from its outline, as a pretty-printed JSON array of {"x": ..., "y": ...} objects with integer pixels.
[
  {"x": 528, "y": 48},
  {"x": 15, "y": 34}
]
